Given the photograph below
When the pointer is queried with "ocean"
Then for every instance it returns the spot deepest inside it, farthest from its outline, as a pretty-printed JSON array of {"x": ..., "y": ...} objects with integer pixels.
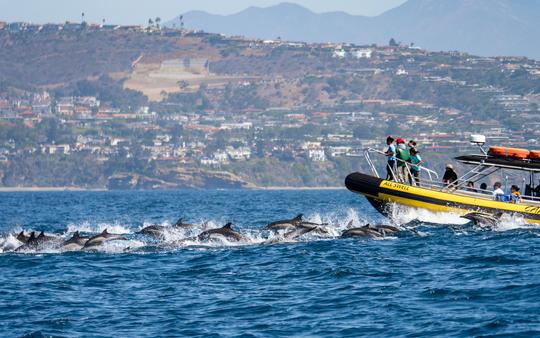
[{"x": 442, "y": 278}]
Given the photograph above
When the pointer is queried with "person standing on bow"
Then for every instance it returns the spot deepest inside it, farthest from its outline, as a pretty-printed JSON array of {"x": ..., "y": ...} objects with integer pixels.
[
  {"x": 403, "y": 157},
  {"x": 391, "y": 155}
]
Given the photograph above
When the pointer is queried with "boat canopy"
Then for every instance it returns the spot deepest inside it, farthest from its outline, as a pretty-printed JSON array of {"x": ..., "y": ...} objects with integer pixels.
[{"x": 500, "y": 162}]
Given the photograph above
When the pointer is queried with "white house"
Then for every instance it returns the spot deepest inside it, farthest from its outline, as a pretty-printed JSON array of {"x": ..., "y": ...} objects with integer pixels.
[{"x": 362, "y": 53}]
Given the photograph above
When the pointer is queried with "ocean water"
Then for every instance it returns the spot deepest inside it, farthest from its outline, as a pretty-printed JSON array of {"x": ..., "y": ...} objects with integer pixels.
[{"x": 445, "y": 278}]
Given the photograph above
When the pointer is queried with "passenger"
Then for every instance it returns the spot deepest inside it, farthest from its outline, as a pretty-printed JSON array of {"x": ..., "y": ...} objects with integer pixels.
[
  {"x": 470, "y": 186},
  {"x": 483, "y": 188},
  {"x": 412, "y": 144},
  {"x": 498, "y": 193},
  {"x": 416, "y": 162},
  {"x": 450, "y": 176},
  {"x": 515, "y": 195},
  {"x": 391, "y": 154},
  {"x": 403, "y": 155}
]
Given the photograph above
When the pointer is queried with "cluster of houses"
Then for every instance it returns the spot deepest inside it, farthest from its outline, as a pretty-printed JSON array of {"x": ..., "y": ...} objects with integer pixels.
[{"x": 243, "y": 133}]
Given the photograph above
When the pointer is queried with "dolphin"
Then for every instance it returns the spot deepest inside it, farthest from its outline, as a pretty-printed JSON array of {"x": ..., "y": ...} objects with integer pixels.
[
  {"x": 102, "y": 238},
  {"x": 33, "y": 241},
  {"x": 300, "y": 231},
  {"x": 153, "y": 230},
  {"x": 366, "y": 231},
  {"x": 297, "y": 227},
  {"x": 226, "y": 232},
  {"x": 181, "y": 225},
  {"x": 76, "y": 242},
  {"x": 158, "y": 230},
  {"x": 286, "y": 224},
  {"x": 22, "y": 237},
  {"x": 480, "y": 219},
  {"x": 385, "y": 229}
]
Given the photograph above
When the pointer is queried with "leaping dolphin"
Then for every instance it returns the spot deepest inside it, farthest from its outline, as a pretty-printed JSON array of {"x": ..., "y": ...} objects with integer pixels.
[
  {"x": 76, "y": 242},
  {"x": 226, "y": 232},
  {"x": 102, "y": 238},
  {"x": 286, "y": 224}
]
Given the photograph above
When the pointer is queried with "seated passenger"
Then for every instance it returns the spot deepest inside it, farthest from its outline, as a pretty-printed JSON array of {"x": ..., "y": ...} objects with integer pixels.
[
  {"x": 470, "y": 186},
  {"x": 498, "y": 193},
  {"x": 450, "y": 175},
  {"x": 483, "y": 188},
  {"x": 515, "y": 195}
]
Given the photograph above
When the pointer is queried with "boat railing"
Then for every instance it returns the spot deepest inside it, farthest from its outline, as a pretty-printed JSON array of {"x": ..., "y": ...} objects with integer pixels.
[{"x": 430, "y": 173}]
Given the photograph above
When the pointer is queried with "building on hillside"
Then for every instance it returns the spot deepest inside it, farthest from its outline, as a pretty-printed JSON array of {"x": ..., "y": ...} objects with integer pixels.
[
  {"x": 317, "y": 155},
  {"x": 339, "y": 54},
  {"x": 56, "y": 149},
  {"x": 239, "y": 154},
  {"x": 362, "y": 53}
]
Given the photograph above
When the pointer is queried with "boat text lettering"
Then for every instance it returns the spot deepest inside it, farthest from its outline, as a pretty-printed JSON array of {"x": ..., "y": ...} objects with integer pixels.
[
  {"x": 532, "y": 210},
  {"x": 395, "y": 185}
]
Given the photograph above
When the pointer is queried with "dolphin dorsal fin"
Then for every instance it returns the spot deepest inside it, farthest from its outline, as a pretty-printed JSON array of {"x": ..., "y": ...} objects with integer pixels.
[
  {"x": 41, "y": 234},
  {"x": 299, "y": 217},
  {"x": 228, "y": 226},
  {"x": 32, "y": 235},
  {"x": 104, "y": 232},
  {"x": 350, "y": 224},
  {"x": 76, "y": 234},
  {"x": 21, "y": 233}
]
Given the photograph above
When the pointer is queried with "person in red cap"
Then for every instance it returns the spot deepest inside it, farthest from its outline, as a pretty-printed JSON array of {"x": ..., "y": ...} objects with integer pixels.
[{"x": 403, "y": 156}]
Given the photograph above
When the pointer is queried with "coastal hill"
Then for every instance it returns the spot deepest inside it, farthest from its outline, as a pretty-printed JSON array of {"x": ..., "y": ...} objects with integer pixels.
[
  {"x": 482, "y": 27},
  {"x": 132, "y": 107}
]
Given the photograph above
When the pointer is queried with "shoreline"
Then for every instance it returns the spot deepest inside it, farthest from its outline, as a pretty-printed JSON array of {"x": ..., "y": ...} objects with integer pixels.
[
  {"x": 46, "y": 189},
  {"x": 75, "y": 189}
]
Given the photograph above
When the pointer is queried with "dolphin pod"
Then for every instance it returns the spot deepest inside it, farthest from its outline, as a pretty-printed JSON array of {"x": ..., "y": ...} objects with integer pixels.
[
  {"x": 286, "y": 229},
  {"x": 76, "y": 242}
]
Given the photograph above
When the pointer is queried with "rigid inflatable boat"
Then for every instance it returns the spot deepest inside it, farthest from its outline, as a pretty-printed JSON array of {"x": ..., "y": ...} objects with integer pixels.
[{"x": 432, "y": 194}]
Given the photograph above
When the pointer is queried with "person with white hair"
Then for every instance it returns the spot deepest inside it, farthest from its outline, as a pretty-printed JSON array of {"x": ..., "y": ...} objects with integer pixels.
[{"x": 450, "y": 177}]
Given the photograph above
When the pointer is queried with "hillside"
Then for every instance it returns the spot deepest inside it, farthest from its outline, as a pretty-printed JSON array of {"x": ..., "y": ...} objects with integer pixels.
[
  {"x": 144, "y": 107},
  {"x": 482, "y": 27}
]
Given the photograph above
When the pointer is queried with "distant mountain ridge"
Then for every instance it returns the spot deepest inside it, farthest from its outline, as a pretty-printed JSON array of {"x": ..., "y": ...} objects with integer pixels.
[{"x": 483, "y": 27}]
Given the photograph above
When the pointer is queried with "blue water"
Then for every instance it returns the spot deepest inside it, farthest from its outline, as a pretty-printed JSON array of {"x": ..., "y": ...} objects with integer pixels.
[{"x": 450, "y": 280}]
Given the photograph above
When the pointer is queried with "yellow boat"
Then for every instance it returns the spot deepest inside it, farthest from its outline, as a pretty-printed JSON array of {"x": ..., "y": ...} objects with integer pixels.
[{"x": 456, "y": 198}]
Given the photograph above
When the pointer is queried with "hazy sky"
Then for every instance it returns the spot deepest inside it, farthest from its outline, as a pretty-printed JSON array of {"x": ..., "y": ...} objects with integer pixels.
[{"x": 138, "y": 12}]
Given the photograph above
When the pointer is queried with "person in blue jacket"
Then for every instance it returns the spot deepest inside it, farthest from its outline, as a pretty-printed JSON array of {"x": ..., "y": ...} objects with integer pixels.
[{"x": 391, "y": 155}]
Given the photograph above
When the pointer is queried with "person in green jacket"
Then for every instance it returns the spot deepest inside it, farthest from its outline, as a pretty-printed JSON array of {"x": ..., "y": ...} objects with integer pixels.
[{"x": 403, "y": 155}]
